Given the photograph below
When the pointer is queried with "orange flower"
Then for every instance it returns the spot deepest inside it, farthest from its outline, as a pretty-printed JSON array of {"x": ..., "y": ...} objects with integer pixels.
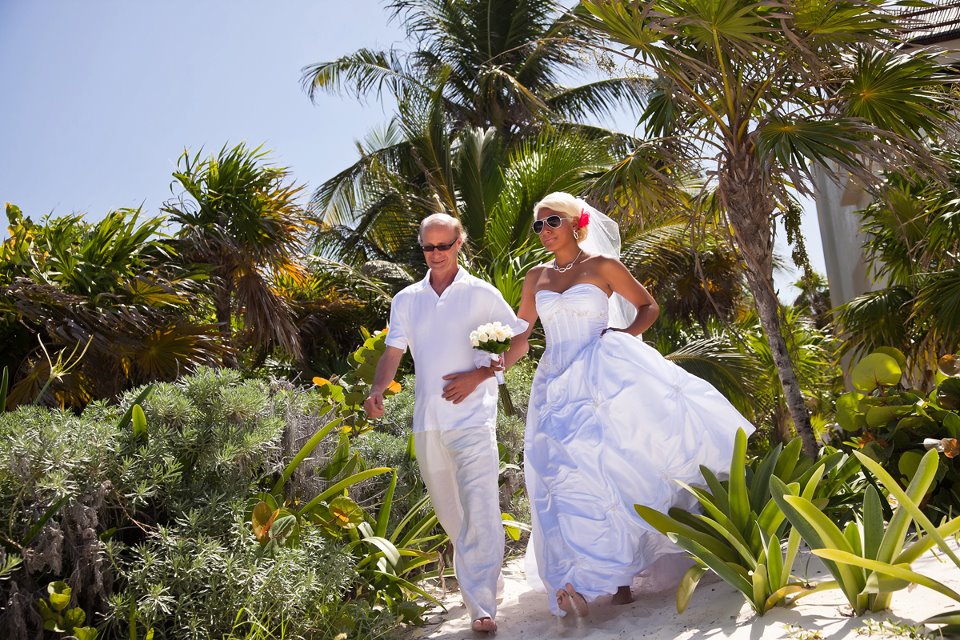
[{"x": 951, "y": 448}]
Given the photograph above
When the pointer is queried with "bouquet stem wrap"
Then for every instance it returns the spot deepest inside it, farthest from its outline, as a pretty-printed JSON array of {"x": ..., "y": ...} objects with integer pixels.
[
  {"x": 505, "y": 401},
  {"x": 494, "y": 339}
]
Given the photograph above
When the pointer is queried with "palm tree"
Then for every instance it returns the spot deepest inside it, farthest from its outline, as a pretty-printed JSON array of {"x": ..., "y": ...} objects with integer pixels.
[
  {"x": 240, "y": 218},
  {"x": 760, "y": 92},
  {"x": 475, "y": 65},
  {"x": 486, "y": 178},
  {"x": 497, "y": 63}
]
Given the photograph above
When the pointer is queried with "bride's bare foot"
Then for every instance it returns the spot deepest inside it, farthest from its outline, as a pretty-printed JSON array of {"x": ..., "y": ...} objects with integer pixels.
[
  {"x": 484, "y": 625},
  {"x": 622, "y": 596},
  {"x": 571, "y": 602}
]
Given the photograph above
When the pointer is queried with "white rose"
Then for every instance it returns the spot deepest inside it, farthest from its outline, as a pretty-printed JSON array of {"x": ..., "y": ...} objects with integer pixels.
[
  {"x": 501, "y": 334},
  {"x": 483, "y": 336},
  {"x": 474, "y": 342}
]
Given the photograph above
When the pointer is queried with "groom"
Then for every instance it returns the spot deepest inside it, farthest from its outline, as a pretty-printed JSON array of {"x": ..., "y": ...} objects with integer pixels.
[{"x": 455, "y": 409}]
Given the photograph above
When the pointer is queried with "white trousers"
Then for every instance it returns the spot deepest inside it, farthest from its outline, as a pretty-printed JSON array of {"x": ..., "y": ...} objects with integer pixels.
[{"x": 460, "y": 469}]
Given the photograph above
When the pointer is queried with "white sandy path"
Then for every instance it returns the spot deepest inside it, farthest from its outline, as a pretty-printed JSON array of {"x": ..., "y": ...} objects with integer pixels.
[{"x": 715, "y": 611}]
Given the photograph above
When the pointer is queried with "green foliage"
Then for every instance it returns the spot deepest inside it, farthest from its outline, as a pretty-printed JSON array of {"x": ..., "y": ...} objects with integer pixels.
[
  {"x": 867, "y": 558},
  {"x": 162, "y": 484},
  {"x": 345, "y": 393},
  {"x": 190, "y": 585},
  {"x": 112, "y": 291},
  {"x": 740, "y": 535},
  {"x": 893, "y": 424},
  {"x": 59, "y": 617},
  {"x": 912, "y": 242},
  {"x": 811, "y": 351}
]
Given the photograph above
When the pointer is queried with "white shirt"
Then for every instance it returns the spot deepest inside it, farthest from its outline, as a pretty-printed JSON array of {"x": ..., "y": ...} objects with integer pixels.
[{"x": 437, "y": 331}]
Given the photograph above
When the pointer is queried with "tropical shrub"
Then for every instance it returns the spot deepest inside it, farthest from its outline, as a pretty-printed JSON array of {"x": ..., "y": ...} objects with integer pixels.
[
  {"x": 912, "y": 240},
  {"x": 111, "y": 291},
  {"x": 893, "y": 424},
  {"x": 188, "y": 584},
  {"x": 868, "y": 559},
  {"x": 741, "y": 534},
  {"x": 144, "y": 513}
]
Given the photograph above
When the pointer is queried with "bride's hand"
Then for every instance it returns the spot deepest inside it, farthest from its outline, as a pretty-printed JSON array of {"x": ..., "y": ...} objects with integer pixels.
[{"x": 604, "y": 332}]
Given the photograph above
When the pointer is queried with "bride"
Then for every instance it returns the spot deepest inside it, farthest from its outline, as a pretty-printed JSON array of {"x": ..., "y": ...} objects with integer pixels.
[{"x": 610, "y": 422}]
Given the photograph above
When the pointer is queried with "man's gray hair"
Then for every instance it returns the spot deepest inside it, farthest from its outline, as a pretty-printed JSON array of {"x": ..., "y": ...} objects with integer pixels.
[{"x": 446, "y": 220}]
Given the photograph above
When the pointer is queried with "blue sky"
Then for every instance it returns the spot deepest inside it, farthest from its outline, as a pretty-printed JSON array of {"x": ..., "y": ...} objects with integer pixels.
[{"x": 100, "y": 98}]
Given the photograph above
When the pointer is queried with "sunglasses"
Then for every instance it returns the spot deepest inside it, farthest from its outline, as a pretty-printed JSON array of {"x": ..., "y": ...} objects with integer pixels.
[
  {"x": 430, "y": 248},
  {"x": 554, "y": 221}
]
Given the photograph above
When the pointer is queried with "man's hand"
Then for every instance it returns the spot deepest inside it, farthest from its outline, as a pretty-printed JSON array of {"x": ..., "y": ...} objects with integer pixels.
[
  {"x": 460, "y": 385},
  {"x": 373, "y": 405}
]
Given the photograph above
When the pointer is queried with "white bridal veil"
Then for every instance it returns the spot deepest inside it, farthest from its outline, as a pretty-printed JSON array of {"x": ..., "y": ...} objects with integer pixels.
[{"x": 604, "y": 238}]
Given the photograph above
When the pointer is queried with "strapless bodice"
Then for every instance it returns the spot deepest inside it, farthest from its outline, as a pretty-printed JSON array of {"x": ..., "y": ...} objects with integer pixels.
[{"x": 571, "y": 320}]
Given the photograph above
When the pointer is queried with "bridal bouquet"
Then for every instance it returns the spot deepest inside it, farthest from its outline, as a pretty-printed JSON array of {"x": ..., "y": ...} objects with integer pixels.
[{"x": 493, "y": 338}]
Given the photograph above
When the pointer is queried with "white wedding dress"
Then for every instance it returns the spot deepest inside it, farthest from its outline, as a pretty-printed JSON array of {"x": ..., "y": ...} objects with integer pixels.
[{"x": 611, "y": 423}]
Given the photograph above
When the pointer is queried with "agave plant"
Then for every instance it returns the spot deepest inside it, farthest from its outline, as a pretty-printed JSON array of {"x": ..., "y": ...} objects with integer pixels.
[
  {"x": 868, "y": 558},
  {"x": 741, "y": 534}
]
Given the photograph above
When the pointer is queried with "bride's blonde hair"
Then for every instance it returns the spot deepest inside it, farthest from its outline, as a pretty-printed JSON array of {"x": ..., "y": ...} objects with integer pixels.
[{"x": 568, "y": 206}]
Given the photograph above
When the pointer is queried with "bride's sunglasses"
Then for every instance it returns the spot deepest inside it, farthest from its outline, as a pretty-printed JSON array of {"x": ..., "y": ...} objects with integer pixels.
[{"x": 554, "y": 221}]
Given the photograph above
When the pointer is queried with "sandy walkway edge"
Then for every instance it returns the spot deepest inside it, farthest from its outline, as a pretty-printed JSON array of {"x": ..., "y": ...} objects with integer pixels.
[{"x": 715, "y": 611}]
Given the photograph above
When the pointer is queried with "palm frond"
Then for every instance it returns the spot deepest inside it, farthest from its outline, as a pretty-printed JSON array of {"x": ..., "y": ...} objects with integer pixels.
[
  {"x": 360, "y": 73},
  {"x": 877, "y": 319},
  {"x": 898, "y": 92},
  {"x": 480, "y": 154},
  {"x": 601, "y": 98}
]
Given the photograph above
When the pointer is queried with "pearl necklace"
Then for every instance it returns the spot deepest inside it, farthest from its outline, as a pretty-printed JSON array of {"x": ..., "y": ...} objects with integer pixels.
[{"x": 569, "y": 266}]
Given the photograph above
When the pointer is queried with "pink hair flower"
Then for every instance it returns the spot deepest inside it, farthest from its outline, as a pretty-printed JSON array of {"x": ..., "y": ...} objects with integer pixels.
[{"x": 584, "y": 219}]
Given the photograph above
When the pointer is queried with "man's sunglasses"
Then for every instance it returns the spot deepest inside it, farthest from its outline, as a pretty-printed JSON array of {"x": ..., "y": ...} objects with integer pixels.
[
  {"x": 554, "y": 221},
  {"x": 430, "y": 248}
]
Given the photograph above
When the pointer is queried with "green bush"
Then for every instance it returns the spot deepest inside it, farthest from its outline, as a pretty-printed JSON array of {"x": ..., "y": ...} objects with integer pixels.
[
  {"x": 191, "y": 585},
  {"x": 152, "y": 510},
  {"x": 894, "y": 424}
]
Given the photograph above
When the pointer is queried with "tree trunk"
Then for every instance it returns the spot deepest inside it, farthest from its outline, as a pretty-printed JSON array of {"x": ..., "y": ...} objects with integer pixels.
[
  {"x": 768, "y": 308},
  {"x": 222, "y": 303},
  {"x": 749, "y": 210}
]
